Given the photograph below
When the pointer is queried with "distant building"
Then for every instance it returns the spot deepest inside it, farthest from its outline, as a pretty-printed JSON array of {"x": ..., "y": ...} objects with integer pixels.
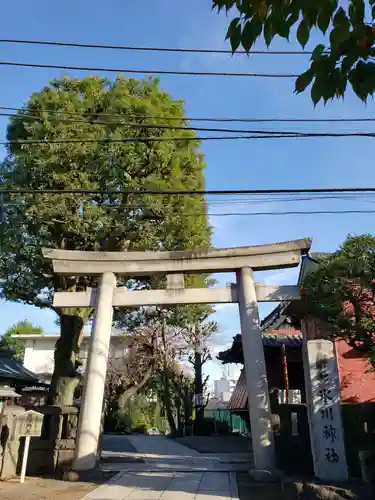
[
  {"x": 224, "y": 388},
  {"x": 40, "y": 349}
]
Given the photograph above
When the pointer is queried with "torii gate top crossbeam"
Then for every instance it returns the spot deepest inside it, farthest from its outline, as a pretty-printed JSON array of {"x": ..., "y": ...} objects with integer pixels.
[{"x": 260, "y": 258}]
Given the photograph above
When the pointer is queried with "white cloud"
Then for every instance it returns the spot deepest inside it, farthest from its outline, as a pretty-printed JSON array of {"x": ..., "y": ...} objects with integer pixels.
[
  {"x": 222, "y": 307},
  {"x": 282, "y": 277}
]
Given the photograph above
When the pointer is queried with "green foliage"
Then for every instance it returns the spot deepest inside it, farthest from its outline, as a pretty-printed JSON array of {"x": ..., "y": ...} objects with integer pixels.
[
  {"x": 102, "y": 222},
  {"x": 347, "y": 56},
  {"x": 210, "y": 427},
  {"x": 139, "y": 414},
  {"x": 9, "y": 339},
  {"x": 117, "y": 422},
  {"x": 341, "y": 292}
]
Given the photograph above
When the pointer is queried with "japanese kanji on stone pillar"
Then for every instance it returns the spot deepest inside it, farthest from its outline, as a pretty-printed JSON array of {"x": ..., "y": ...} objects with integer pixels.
[
  {"x": 175, "y": 264},
  {"x": 324, "y": 410}
]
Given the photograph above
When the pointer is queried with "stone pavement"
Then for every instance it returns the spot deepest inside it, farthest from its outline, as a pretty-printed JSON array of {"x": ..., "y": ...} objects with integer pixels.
[
  {"x": 160, "y": 454},
  {"x": 170, "y": 471},
  {"x": 168, "y": 486}
]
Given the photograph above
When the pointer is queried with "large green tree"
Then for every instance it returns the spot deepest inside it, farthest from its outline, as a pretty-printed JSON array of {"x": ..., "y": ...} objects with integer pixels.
[
  {"x": 10, "y": 339},
  {"x": 91, "y": 109},
  {"x": 341, "y": 290},
  {"x": 346, "y": 57}
]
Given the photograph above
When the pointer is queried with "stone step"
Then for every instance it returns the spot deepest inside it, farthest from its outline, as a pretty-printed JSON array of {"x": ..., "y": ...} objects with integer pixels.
[{"x": 163, "y": 467}]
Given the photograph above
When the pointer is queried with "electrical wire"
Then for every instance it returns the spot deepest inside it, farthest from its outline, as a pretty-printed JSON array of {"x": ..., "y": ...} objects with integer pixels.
[
  {"x": 310, "y": 212},
  {"x": 145, "y": 71},
  {"x": 159, "y": 126},
  {"x": 153, "y": 126},
  {"x": 158, "y": 216},
  {"x": 206, "y": 192},
  {"x": 109, "y": 140},
  {"x": 189, "y": 118},
  {"x": 160, "y": 213},
  {"x": 154, "y": 49},
  {"x": 238, "y": 201}
]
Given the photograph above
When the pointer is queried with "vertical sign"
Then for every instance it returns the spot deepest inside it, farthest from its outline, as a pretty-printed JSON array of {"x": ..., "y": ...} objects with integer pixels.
[
  {"x": 323, "y": 400},
  {"x": 27, "y": 425}
]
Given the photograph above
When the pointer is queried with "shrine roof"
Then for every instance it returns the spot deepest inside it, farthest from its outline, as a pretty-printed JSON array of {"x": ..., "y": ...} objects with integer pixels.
[{"x": 13, "y": 370}]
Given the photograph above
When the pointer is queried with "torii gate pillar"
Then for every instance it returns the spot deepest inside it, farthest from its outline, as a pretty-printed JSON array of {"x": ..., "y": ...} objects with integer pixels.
[
  {"x": 255, "y": 370},
  {"x": 95, "y": 376}
]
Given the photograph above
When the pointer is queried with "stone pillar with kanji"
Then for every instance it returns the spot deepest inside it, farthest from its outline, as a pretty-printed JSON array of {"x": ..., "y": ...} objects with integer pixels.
[{"x": 324, "y": 410}]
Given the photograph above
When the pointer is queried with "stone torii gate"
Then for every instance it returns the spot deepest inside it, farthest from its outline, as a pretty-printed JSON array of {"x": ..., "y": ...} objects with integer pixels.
[{"x": 174, "y": 264}]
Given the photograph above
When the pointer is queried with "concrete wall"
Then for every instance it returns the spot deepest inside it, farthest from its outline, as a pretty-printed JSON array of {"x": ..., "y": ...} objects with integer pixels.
[{"x": 39, "y": 354}]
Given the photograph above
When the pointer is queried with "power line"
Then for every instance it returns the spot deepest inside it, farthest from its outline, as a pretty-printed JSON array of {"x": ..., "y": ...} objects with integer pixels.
[
  {"x": 206, "y": 192},
  {"x": 312, "y": 212},
  {"x": 155, "y": 49},
  {"x": 146, "y": 71},
  {"x": 192, "y": 118},
  {"x": 156, "y": 126},
  {"x": 246, "y": 201},
  {"x": 109, "y": 140},
  {"x": 244, "y": 214},
  {"x": 167, "y": 127}
]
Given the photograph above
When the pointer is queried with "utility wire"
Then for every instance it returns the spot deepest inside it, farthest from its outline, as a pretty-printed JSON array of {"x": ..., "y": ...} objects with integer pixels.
[
  {"x": 157, "y": 126},
  {"x": 146, "y": 71},
  {"x": 109, "y": 140},
  {"x": 171, "y": 192},
  {"x": 159, "y": 214},
  {"x": 311, "y": 212},
  {"x": 238, "y": 201},
  {"x": 187, "y": 118},
  {"x": 217, "y": 203},
  {"x": 239, "y": 214},
  {"x": 155, "y": 49}
]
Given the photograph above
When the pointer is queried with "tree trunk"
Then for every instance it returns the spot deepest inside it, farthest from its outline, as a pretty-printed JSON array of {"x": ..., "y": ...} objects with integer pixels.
[
  {"x": 188, "y": 410},
  {"x": 180, "y": 423},
  {"x": 65, "y": 378},
  {"x": 132, "y": 391},
  {"x": 198, "y": 385},
  {"x": 165, "y": 377},
  {"x": 167, "y": 404}
]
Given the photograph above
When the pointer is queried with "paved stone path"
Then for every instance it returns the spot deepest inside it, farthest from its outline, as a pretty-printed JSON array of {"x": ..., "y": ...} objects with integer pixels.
[
  {"x": 170, "y": 471},
  {"x": 159, "y": 454}
]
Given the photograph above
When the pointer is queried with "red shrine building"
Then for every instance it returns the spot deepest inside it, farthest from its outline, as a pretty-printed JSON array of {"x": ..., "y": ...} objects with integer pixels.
[{"x": 282, "y": 340}]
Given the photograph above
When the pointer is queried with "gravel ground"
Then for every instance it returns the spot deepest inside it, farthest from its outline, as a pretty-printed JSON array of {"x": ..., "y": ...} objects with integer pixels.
[
  {"x": 249, "y": 490},
  {"x": 48, "y": 489}
]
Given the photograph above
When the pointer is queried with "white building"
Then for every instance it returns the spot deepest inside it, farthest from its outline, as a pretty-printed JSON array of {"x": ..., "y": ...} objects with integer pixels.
[
  {"x": 39, "y": 351},
  {"x": 224, "y": 388}
]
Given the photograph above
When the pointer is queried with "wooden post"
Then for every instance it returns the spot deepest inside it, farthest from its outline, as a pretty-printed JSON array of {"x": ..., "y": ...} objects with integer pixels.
[
  {"x": 285, "y": 371},
  {"x": 24, "y": 458}
]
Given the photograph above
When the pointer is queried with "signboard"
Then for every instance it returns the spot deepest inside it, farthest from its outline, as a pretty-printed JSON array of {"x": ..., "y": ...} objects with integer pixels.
[
  {"x": 323, "y": 398},
  {"x": 198, "y": 400},
  {"x": 28, "y": 423}
]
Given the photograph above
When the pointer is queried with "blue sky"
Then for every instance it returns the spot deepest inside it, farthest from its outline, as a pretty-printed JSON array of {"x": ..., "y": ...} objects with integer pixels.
[{"x": 344, "y": 162}]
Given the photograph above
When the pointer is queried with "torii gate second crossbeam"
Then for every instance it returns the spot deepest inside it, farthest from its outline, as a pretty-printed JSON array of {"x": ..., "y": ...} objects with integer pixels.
[{"x": 245, "y": 292}]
